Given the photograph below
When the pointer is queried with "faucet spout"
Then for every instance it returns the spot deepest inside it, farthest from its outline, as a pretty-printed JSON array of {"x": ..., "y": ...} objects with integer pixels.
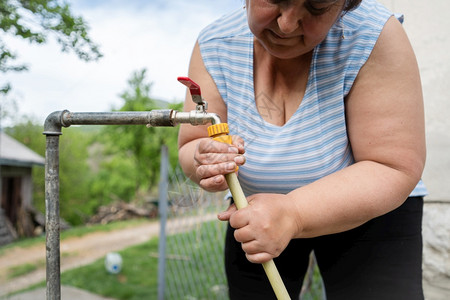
[{"x": 195, "y": 118}]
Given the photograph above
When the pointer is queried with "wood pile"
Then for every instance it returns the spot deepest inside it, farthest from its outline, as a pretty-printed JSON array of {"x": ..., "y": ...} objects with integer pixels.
[{"x": 121, "y": 210}]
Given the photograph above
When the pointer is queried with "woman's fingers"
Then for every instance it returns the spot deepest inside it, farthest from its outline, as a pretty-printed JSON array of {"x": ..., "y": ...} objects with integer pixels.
[
  {"x": 264, "y": 227},
  {"x": 259, "y": 258},
  {"x": 225, "y": 216},
  {"x": 215, "y": 183},
  {"x": 257, "y": 253},
  {"x": 215, "y": 159}
]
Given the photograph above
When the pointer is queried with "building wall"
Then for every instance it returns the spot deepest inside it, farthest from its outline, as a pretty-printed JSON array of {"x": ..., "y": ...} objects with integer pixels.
[
  {"x": 16, "y": 196},
  {"x": 428, "y": 26}
]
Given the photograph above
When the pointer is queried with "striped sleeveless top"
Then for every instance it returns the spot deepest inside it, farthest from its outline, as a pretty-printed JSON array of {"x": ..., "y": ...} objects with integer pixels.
[{"x": 313, "y": 143}]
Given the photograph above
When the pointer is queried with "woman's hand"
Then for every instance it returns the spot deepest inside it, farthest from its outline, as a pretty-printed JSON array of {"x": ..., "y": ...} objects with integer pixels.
[
  {"x": 212, "y": 160},
  {"x": 265, "y": 227}
]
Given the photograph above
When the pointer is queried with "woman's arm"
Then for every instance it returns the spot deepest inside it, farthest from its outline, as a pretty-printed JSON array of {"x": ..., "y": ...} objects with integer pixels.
[
  {"x": 385, "y": 121},
  {"x": 203, "y": 160}
]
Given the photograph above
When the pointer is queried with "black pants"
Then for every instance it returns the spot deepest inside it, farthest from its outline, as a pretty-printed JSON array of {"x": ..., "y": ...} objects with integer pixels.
[{"x": 381, "y": 259}]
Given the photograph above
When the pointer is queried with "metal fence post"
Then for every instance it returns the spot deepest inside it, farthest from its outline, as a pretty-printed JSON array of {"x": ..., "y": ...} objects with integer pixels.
[{"x": 163, "y": 207}]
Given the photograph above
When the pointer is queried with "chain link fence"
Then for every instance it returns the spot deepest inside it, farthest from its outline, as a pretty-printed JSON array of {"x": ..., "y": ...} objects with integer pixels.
[{"x": 194, "y": 242}]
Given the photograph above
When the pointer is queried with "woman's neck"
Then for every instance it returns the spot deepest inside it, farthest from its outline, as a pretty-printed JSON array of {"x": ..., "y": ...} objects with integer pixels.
[{"x": 284, "y": 72}]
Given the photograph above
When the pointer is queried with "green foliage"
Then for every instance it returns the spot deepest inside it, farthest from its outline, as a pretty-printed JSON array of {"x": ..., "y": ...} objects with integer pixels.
[
  {"x": 35, "y": 20},
  {"x": 75, "y": 173},
  {"x": 105, "y": 163},
  {"x": 133, "y": 152},
  {"x": 29, "y": 133}
]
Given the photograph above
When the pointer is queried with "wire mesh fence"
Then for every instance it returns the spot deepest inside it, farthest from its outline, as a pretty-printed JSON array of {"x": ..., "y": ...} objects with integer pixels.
[
  {"x": 194, "y": 258},
  {"x": 194, "y": 242}
]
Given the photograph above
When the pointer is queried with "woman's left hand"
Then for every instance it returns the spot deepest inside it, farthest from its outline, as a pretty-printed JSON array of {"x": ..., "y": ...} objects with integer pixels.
[{"x": 265, "y": 227}]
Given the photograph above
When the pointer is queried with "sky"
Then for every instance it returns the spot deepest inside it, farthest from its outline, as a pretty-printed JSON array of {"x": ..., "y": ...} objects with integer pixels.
[{"x": 156, "y": 35}]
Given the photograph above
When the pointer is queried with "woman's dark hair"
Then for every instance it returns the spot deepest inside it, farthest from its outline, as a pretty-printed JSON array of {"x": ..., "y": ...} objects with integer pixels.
[
  {"x": 348, "y": 4},
  {"x": 351, "y": 4}
]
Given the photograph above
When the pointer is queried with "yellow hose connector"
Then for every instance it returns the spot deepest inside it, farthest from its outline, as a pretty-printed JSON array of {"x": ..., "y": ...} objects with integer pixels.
[{"x": 219, "y": 132}]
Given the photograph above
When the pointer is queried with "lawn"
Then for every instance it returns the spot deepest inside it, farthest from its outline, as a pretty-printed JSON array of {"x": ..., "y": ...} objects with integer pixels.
[
  {"x": 137, "y": 280},
  {"x": 194, "y": 269}
]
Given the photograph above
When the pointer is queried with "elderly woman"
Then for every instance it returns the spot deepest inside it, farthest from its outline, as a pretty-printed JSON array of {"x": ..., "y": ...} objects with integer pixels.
[{"x": 324, "y": 102}]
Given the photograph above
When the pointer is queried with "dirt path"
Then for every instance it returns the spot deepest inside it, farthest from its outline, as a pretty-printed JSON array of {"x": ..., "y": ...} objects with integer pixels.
[{"x": 79, "y": 251}]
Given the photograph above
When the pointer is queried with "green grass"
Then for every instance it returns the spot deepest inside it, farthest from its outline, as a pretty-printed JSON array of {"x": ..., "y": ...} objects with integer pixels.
[
  {"x": 139, "y": 276},
  {"x": 18, "y": 271},
  {"x": 137, "y": 280},
  {"x": 196, "y": 258},
  {"x": 198, "y": 272}
]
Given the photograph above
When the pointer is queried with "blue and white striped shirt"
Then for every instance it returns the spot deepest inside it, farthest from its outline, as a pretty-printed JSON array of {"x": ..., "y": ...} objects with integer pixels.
[{"x": 313, "y": 143}]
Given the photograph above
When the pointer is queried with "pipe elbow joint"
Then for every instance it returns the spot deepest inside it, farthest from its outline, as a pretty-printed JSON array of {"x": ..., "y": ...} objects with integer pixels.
[{"x": 54, "y": 123}]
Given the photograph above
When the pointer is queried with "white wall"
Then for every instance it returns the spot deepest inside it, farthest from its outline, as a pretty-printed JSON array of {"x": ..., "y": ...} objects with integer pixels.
[{"x": 427, "y": 24}]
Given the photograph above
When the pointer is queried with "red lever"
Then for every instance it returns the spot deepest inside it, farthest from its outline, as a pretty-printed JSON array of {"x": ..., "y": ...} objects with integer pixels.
[{"x": 193, "y": 87}]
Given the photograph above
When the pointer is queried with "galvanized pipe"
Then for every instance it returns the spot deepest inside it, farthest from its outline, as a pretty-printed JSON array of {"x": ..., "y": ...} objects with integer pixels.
[
  {"x": 156, "y": 118},
  {"x": 152, "y": 118},
  {"x": 53, "y": 129},
  {"x": 52, "y": 217}
]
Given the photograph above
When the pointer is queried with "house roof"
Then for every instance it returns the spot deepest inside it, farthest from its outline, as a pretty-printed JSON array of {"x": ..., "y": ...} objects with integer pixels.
[{"x": 13, "y": 153}]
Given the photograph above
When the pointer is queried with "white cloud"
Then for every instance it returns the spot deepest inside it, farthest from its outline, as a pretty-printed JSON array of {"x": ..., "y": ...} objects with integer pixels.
[{"x": 156, "y": 35}]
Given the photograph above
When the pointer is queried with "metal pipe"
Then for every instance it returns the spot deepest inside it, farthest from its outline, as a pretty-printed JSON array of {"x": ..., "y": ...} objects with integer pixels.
[
  {"x": 52, "y": 217},
  {"x": 53, "y": 129},
  {"x": 152, "y": 118},
  {"x": 156, "y": 118}
]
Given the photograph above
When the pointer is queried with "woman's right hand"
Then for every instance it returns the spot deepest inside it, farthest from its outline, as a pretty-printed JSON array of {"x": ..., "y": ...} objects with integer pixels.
[{"x": 212, "y": 160}]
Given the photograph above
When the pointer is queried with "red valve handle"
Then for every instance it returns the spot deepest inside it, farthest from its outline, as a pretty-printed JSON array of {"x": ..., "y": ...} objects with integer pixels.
[{"x": 193, "y": 87}]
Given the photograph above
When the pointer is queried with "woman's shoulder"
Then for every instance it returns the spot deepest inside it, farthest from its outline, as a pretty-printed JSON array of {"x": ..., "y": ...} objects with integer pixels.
[
  {"x": 228, "y": 26},
  {"x": 370, "y": 15}
]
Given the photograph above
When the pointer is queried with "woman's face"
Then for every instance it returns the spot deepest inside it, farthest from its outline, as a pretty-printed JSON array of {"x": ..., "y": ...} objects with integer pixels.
[{"x": 291, "y": 28}]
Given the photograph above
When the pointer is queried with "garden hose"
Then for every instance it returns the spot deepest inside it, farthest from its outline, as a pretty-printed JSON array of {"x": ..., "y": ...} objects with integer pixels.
[{"x": 219, "y": 132}]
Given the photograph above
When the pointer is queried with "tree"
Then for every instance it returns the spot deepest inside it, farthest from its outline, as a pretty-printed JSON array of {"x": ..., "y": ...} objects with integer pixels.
[
  {"x": 76, "y": 204},
  {"x": 99, "y": 164},
  {"x": 133, "y": 152},
  {"x": 35, "y": 21}
]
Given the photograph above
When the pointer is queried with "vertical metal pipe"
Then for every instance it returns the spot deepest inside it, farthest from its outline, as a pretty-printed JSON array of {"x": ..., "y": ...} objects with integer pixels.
[
  {"x": 52, "y": 217},
  {"x": 163, "y": 210},
  {"x": 52, "y": 129}
]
